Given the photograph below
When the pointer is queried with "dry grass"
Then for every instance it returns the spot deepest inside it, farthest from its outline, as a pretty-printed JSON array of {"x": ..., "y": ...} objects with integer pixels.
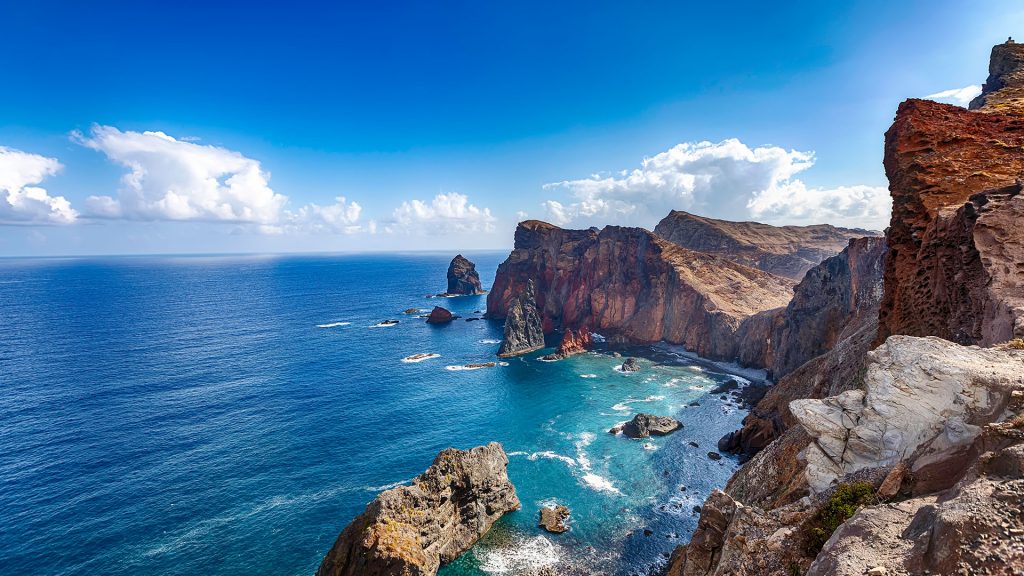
[{"x": 1015, "y": 344}]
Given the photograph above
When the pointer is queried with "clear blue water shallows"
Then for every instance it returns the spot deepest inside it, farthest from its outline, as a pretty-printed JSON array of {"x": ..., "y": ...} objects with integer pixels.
[{"x": 190, "y": 415}]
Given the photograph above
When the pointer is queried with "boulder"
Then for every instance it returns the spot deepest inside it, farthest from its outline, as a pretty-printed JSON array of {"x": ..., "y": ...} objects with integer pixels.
[
  {"x": 463, "y": 279},
  {"x": 523, "y": 332},
  {"x": 412, "y": 530},
  {"x": 646, "y": 425},
  {"x": 630, "y": 365},
  {"x": 554, "y": 519},
  {"x": 440, "y": 315}
]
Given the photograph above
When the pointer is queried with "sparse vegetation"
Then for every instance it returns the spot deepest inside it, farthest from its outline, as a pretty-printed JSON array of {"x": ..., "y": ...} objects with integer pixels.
[
  {"x": 839, "y": 508},
  {"x": 1015, "y": 344}
]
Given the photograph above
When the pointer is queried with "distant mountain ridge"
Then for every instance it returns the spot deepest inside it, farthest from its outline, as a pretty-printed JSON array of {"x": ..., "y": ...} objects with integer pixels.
[{"x": 788, "y": 251}]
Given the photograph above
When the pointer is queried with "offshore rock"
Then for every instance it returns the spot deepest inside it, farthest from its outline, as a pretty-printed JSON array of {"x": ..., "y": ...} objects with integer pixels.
[
  {"x": 412, "y": 530},
  {"x": 634, "y": 287},
  {"x": 956, "y": 263},
  {"x": 788, "y": 251},
  {"x": 554, "y": 519},
  {"x": 646, "y": 425},
  {"x": 630, "y": 365},
  {"x": 440, "y": 315},
  {"x": 523, "y": 332},
  {"x": 462, "y": 278}
]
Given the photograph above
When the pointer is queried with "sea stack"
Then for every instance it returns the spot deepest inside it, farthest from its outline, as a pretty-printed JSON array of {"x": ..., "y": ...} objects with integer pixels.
[
  {"x": 440, "y": 315},
  {"x": 413, "y": 530},
  {"x": 523, "y": 333},
  {"x": 463, "y": 279}
]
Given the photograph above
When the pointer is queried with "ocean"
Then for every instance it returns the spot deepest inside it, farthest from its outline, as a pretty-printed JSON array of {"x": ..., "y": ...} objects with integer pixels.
[{"x": 229, "y": 415}]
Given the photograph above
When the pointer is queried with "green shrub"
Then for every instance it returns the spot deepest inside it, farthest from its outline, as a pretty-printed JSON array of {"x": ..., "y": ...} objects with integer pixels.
[{"x": 839, "y": 507}]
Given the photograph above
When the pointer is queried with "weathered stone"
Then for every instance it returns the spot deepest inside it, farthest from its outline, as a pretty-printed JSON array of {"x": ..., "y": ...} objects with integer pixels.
[
  {"x": 573, "y": 342},
  {"x": 554, "y": 519},
  {"x": 630, "y": 365},
  {"x": 645, "y": 425},
  {"x": 523, "y": 332},
  {"x": 463, "y": 279},
  {"x": 440, "y": 315},
  {"x": 412, "y": 530}
]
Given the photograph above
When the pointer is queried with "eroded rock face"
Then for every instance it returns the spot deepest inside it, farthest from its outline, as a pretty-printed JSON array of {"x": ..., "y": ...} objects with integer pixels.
[
  {"x": 412, "y": 530},
  {"x": 573, "y": 342},
  {"x": 554, "y": 519},
  {"x": 631, "y": 286},
  {"x": 463, "y": 278},
  {"x": 646, "y": 425},
  {"x": 788, "y": 251},
  {"x": 956, "y": 263},
  {"x": 1003, "y": 91},
  {"x": 523, "y": 332},
  {"x": 925, "y": 397}
]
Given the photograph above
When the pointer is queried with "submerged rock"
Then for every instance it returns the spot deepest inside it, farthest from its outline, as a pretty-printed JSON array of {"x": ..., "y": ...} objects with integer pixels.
[
  {"x": 645, "y": 425},
  {"x": 553, "y": 519},
  {"x": 630, "y": 365},
  {"x": 523, "y": 332},
  {"x": 411, "y": 311},
  {"x": 440, "y": 315},
  {"x": 412, "y": 530},
  {"x": 463, "y": 279}
]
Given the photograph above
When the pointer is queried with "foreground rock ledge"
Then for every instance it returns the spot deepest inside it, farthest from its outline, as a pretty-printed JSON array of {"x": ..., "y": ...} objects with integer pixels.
[{"x": 412, "y": 530}]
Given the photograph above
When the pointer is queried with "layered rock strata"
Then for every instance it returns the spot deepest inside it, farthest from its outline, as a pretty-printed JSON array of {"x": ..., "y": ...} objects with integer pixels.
[
  {"x": 523, "y": 333},
  {"x": 631, "y": 286},
  {"x": 788, "y": 251},
  {"x": 412, "y": 530}
]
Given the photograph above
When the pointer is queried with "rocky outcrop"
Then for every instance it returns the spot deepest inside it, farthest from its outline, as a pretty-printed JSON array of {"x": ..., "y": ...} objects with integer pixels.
[
  {"x": 956, "y": 263},
  {"x": 646, "y": 425},
  {"x": 923, "y": 398},
  {"x": 573, "y": 342},
  {"x": 631, "y": 286},
  {"x": 630, "y": 365},
  {"x": 819, "y": 341},
  {"x": 463, "y": 279},
  {"x": 440, "y": 315},
  {"x": 523, "y": 333},
  {"x": 1003, "y": 91},
  {"x": 412, "y": 530},
  {"x": 788, "y": 251},
  {"x": 554, "y": 519}
]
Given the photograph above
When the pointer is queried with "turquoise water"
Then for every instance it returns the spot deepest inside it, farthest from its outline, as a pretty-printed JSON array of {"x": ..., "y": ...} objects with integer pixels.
[{"x": 197, "y": 415}]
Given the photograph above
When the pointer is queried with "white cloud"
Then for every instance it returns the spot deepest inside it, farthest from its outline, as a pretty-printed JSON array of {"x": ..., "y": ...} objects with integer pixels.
[
  {"x": 961, "y": 96},
  {"x": 21, "y": 201},
  {"x": 177, "y": 179},
  {"x": 171, "y": 179},
  {"x": 727, "y": 180},
  {"x": 446, "y": 213}
]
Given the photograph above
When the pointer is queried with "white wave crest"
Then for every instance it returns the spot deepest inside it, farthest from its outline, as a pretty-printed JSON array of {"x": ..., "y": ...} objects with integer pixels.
[
  {"x": 523, "y": 557},
  {"x": 490, "y": 341},
  {"x": 332, "y": 324},
  {"x": 588, "y": 375},
  {"x": 599, "y": 483},
  {"x": 624, "y": 405},
  {"x": 548, "y": 454}
]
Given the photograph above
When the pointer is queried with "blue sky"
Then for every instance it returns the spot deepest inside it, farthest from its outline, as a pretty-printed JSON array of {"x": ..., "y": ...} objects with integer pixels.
[{"x": 234, "y": 127}]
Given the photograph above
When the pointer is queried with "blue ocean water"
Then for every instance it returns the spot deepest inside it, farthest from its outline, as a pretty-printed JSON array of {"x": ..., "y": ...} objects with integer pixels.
[{"x": 228, "y": 415}]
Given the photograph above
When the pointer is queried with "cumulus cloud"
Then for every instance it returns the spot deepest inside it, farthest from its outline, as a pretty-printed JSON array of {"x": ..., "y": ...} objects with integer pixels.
[
  {"x": 446, "y": 213},
  {"x": 961, "y": 96},
  {"x": 342, "y": 217},
  {"x": 21, "y": 200},
  {"x": 727, "y": 180},
  {"x": 170, "y": 179}
]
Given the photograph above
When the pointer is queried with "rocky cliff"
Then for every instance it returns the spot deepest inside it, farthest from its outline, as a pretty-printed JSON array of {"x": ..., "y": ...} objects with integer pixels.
[
  {"x": 1003, "y": 91},
  {"x": 463, "y": 279},
  {"x": 632, "y": 286},
  {"x": 956, "y": 265},
  {"x": 412, "y": 530},
  {"x": 523, "y": 333},
  {"x": 788, "y": 251}
]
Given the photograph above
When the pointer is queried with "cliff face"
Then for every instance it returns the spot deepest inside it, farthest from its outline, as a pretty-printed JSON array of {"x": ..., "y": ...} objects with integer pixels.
[
  {"x": 523, "y": 332},
  {"x": 788, "y": 251},
  {"x": 412, "y": 530},
  {"x": 1004, "y": 89},
  {"x": 956, "y": 264},
  {"x": 631, "y": 286}
]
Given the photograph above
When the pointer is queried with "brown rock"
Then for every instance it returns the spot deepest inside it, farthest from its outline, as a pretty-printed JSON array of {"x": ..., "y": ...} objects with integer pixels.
[
  {"x": 788, "y": 251},
  {"x": 412, "y": 530},
  {"x": 1003, "y": 91},
  {"x": 463, "y": 279},
  {"x": 554, "y": 519},
  {"x": 631, "y": 286},
  {"x": 440, "y": 315},
  {"x": 645, "y": 425},
  {"x": 523, "y": 332},
  {"x": 956, "y": 244},
  {"x": 573, "y": 342}
]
